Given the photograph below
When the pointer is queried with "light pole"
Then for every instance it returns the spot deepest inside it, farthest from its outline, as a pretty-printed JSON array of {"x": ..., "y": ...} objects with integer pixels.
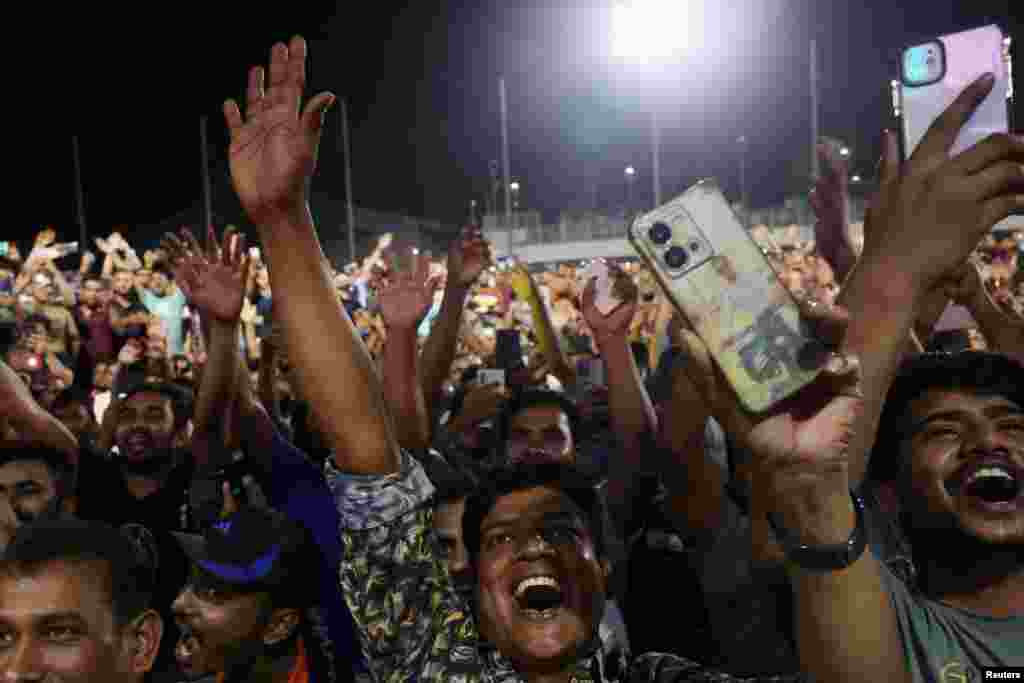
[
  {"x": 630, "y": 173},
  {"x": 744, "y": 193}
]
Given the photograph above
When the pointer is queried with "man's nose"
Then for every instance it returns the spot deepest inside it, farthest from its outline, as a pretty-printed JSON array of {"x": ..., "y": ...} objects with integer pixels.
[
  {"x": 184, "y": 604},
  {"x": 535, "y": 545}
]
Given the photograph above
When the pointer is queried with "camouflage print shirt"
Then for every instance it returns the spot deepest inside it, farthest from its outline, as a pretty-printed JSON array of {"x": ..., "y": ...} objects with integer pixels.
[{"x": 411, "y": 622}]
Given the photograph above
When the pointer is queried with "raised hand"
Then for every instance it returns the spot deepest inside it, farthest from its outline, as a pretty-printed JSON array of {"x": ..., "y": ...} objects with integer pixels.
[
  {"x": 618, "y": 321},
  {"x": 469, "y": 256},
  {"x": 930, "y": 214},
  {"x": 407, "y": 299},
  {"x": 830, "y": 201},
  {"x": 214, "y": 286},
  {"x": 274, "y": 148}
]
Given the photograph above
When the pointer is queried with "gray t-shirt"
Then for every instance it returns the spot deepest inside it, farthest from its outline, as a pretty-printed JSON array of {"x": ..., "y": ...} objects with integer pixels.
[{"x": 947, "y": 644}]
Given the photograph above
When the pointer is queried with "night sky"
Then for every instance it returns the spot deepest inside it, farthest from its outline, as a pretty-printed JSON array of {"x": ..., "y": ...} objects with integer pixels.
[{"x": 421, "y": 80}]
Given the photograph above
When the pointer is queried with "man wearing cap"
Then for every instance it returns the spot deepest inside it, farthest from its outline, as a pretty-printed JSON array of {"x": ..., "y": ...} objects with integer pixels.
[{"x": 247, "y": 609}]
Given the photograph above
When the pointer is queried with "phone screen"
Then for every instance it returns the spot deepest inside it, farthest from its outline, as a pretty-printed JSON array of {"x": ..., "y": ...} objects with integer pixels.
[{"x": 4, "y": 248}]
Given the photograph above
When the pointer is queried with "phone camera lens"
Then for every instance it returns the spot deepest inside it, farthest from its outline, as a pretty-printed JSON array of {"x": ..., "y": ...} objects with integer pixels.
[
  {"x": 694, "y": 246},
  {"x": 676, "y": 257},
  {"x": 660, "y": 233}
]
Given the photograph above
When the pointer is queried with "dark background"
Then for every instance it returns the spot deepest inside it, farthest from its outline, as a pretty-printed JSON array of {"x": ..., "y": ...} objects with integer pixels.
[{"x": 132, "y": 81}]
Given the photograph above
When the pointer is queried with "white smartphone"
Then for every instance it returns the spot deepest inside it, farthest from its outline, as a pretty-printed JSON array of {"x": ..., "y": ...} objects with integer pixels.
[
  {"x": 934, "y": 73},
  {"x": 719, "y": 279}
]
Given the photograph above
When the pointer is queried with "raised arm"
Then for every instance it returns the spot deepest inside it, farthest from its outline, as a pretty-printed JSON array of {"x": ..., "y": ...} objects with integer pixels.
[
  {"x": 927, "y": 219},
  {"x": 273, "y": 156},
  {"x": 216, "y": 288},
  {"x": 633, "y": 418},
  {"x": 403, "y": 305},
  {"x": 468, "y": 257},
  {"x": 29, "y": 420}
]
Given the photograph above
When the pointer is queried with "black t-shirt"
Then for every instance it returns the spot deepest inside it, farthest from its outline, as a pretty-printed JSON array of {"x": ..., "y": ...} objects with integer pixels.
[
  {"x": 104, "y": 496},
  {"x": 135, "y": 305}
]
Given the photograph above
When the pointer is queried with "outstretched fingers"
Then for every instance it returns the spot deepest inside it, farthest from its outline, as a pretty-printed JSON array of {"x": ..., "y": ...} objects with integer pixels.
[{"x": 939, "y": 139}]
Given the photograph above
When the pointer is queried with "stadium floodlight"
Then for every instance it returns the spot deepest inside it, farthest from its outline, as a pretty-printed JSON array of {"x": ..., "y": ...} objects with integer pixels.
[{"x": 650, "y": 29}]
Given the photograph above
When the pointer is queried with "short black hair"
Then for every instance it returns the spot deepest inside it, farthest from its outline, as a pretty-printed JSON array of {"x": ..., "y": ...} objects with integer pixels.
[
  {"x": 63, "y": 466},
  {"x": 571, "y": 480},
  {"x": 537, "y": 397},
  {"x": 129, "y": 555},
  {"x": 980, "y": 372}
]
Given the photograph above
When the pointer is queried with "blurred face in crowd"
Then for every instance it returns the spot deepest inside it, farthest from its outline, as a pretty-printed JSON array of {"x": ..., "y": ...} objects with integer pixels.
[
  {"x": 58, "y": 624},
  {"x": 37, "y": 338},
  {"x": 448, "y": 526},
  {"x": 964, "y": 467},
  {"x": 28, "y": 492},
  {"x": 159, "y": 283},
  {"x": 142, "y": 277},
  {"x": 145, "y": 432},
  {"x": 103, "y": 376},
  {"x": 540, "y": 581},
  {"x": 263, "y": 278},
  {"x": 123, "y": 282},
  {"x": 541, "y": 433},
  {"x": 42, "y": 292},
  {"x": 89, "y": 295},
  {"x": 221, "y": 627}
]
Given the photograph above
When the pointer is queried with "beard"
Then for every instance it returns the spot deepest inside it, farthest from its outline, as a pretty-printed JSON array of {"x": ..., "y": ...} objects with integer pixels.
[{"x": 157, "y": 462}]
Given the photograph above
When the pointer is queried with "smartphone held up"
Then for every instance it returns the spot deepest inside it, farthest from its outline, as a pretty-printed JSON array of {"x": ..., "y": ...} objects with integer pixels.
[{"x": 718, "y": 278}]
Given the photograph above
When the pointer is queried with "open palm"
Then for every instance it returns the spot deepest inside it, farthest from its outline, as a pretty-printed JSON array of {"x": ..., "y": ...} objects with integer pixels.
[
  {"x": 273, "y": 150},
  {"x": 213, "y": 282},
  {"x": 619, "y": 320},
  {"x": 407, "y": 299}
]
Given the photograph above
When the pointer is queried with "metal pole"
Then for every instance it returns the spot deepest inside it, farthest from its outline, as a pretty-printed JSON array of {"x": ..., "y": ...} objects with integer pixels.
[
  {"x": 814, "y": 111},
  {"x": 349, "y": 209},
  {"x": 744, "y": 190},
  {"x": 79, "y": 196},
  {"x": 505, "y": 172},
  {"x": 656, "y": 154},
  {"x": 207, "y": 200}
]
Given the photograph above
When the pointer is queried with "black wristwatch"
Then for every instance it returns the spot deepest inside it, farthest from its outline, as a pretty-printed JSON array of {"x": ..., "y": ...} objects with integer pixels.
[{"x": 825, "y": 558}]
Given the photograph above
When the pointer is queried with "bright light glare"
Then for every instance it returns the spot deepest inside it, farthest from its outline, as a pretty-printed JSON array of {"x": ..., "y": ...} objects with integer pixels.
[
  {"x": 650, "y": 29},
  {"x": 845, "y": 151},
  {"x": 630, "y": 171},
  {"x": 855, "y": 178},
  {"x": 514, "y": 186}
]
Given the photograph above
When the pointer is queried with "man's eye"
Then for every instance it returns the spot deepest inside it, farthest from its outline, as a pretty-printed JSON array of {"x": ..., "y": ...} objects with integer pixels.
[
  {"x": 1013, "y": 426},
  {"x": 499, "y": 539},
  {"x": 6, "y": 638},
  {"x": 61, "y": 634},
  {"x": 942, "y": 432}
]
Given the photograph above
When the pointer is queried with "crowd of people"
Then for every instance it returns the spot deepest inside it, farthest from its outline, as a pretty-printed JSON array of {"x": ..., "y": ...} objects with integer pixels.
[{"x": 238, "y": 463}]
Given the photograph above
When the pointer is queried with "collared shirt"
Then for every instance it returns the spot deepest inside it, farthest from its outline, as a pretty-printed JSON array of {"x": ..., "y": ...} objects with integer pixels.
[{"x": 412, "y": 624}]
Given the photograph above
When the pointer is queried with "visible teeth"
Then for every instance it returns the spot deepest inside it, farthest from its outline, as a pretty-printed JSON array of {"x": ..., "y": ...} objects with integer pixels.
[
  {"x": 536, "y": 581},
  {"x": 990, "y": 472}
]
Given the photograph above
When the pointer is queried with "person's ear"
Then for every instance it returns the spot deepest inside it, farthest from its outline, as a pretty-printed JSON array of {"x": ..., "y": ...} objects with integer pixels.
[
  {"x": 142, "y": 641},
  {"x": 283, "y": 623}
]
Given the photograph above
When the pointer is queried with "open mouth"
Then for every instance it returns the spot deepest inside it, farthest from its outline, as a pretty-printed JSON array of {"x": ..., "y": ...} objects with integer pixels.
[
  {"x": 187, "y": 650},
  {"x": 539, "y": 597},
  {"x": 994, "y": 484},
  {"x": 534, "y": 456}
]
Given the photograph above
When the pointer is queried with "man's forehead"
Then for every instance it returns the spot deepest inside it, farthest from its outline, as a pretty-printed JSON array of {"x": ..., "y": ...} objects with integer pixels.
[
  {"x": 942, "y": 400},
  {"x": 533, "y": 504},
  {"x": 57, "y": 589},
  {"x": 16, "y": 471},
  {"x": 147, "y": 398}
]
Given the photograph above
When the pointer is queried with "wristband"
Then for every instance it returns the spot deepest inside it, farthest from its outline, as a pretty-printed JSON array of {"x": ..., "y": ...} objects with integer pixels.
[{"x": 825, "y": 558}]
